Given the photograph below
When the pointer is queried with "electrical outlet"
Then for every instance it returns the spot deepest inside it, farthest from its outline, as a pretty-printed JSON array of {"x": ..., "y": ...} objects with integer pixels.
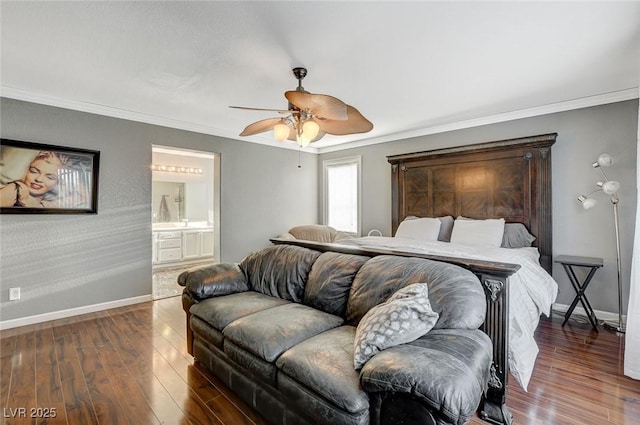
[{"x": 14, "y": 294}]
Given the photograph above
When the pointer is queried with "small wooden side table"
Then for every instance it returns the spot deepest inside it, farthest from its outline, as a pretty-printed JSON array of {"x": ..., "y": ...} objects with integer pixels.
[{"x": 593, "y": 264}]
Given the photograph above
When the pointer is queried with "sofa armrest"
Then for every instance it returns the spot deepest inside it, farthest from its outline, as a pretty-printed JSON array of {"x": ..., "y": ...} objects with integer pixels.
[
  {"x": 447, "y": 370},
  {"x": 212, "y": 281}
]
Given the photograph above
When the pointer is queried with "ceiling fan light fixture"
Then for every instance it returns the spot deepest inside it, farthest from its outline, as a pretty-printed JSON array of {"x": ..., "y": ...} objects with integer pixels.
[
  {"x": 310, "y": 129},
  {"x": 309, "y": 117},
  {"x": 281, "y": 131}
]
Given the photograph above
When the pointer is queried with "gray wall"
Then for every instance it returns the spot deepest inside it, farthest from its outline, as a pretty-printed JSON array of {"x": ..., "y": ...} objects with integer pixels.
[
  {"x": 66, "y": 262},
  {"x": 582, "y": 135},
  {"x": 70, "y": 261}
]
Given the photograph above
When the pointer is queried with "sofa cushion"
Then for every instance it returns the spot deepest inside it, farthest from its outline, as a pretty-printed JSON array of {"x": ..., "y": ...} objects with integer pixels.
[
  {"x": 220, "y": 311},
  {"x": 324, "y": 364},
  {"x": 258, "y": 368},
  {"x": 268, "y": 333},
  {"x": 206, "y": 332},
  {"x": 381, "y": 276},
  {"x": 330, "y": 281},
  {"x": 279, "y": 271},
  {"x": 447, "y": 369},
  {"x": 214, "y": 280},
  {"x": 318, "y": 410},
  {"x": 404, "y": 317}
]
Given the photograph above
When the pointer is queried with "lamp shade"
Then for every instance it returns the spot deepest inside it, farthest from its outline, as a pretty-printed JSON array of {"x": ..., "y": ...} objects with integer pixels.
[
  {"x": 587, "y": 203},
  {"x": 281, "y": 131},
  {"x": 610, "y": 187},
  {"x": 310, "y": 129},
  {"x": 604, "y": 160}
]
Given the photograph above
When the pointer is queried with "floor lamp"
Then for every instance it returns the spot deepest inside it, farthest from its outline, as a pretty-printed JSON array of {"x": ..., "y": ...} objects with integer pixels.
[{"x": 609, "y": 187}]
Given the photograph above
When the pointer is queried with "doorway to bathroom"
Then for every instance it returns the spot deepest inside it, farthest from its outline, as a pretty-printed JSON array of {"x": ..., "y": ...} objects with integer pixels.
[{"x": 185, "y": 214}]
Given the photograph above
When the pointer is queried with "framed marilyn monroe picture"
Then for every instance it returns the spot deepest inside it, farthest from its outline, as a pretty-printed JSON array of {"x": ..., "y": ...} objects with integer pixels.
[{"x": 46, "y": 179}]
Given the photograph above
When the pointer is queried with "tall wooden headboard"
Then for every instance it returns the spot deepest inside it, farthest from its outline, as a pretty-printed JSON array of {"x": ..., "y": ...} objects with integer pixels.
[{"x": 507, "y": 178}]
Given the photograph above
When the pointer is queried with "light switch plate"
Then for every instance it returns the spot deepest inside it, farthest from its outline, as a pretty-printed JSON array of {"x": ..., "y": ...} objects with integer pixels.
[{"x": 14, "y": 294}]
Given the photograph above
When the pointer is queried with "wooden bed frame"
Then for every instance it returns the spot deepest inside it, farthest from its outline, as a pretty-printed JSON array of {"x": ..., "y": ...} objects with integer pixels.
[{"x": 507, "y": 178}]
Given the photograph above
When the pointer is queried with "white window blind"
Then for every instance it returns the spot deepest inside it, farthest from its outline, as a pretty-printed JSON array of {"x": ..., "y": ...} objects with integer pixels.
[{"x": 342, "y": 187}]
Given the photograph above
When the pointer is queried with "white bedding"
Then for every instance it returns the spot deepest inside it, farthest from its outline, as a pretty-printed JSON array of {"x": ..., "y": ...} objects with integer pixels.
[{"x": 531, "y": 290}]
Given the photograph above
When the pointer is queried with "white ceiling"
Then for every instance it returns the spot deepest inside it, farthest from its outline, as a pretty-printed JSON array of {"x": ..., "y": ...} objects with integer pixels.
[{"x": 411, "y": 68}]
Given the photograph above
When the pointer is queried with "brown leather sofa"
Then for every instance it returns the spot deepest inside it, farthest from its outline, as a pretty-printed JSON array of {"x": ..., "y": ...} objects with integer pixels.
[{"x": 280, "y": 329}]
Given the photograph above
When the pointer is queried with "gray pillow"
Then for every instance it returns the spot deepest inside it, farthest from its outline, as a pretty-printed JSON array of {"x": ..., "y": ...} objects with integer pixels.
[
  {"x": 516, "y": 235},
  {"x": 404, "y": 317},
  {"x": 446, "y": 228}
]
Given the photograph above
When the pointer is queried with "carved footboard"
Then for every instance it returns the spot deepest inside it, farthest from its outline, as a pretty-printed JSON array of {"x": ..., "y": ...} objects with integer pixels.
[
  {"x": 495, "y": 280},
  {"x": 494, "y": 405}
]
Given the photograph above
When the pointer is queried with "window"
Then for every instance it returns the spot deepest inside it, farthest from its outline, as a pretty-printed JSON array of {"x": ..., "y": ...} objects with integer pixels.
[{"x": 342, "y": 194}]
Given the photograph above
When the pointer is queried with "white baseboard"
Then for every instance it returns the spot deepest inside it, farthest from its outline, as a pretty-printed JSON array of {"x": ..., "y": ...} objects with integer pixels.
[
  {"x": 606, "y": 316},
  {"x": 61, "y": 314}
]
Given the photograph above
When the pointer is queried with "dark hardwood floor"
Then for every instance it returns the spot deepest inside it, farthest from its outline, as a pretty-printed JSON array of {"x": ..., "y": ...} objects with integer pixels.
[{"x": 129, "y": 366}]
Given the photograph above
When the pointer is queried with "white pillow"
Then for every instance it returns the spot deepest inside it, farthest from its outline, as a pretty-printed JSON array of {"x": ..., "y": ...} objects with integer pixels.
[
  {"x": 424, "y": 229},
  {"x": 487, "y": 232}
]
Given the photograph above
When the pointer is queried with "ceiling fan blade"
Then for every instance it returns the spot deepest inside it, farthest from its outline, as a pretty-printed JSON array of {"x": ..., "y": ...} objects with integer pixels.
[
  {"x": 282, "y": 111},
  {"x": 355, "y": 123},
  {"x": 320, "y": 105},
  {"x": 260, "y": 126}
]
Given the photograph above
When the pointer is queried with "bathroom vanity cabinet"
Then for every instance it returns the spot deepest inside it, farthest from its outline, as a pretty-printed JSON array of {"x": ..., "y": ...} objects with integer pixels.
[{"x": 182, "y": 245}]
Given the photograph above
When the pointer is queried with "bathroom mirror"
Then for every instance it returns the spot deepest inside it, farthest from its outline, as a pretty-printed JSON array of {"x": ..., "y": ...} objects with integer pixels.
[{"x": 168, "y": 202}]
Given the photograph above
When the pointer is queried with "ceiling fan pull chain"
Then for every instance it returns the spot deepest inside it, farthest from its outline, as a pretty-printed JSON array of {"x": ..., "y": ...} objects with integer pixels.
[{"x": 299, "y": 149}]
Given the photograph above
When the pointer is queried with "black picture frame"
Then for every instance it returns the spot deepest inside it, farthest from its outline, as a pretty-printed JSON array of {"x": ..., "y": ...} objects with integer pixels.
[{"x": 37, "y": 178}]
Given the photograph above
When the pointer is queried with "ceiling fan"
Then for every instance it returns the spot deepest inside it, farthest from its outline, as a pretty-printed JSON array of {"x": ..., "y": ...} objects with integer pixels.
[{"x": 309, "y": 117}]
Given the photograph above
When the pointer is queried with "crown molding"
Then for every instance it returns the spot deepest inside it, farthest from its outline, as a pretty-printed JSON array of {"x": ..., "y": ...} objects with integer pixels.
[
  {"x": 585, "y": 102},
  {"x": 93, "y": 108}
]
